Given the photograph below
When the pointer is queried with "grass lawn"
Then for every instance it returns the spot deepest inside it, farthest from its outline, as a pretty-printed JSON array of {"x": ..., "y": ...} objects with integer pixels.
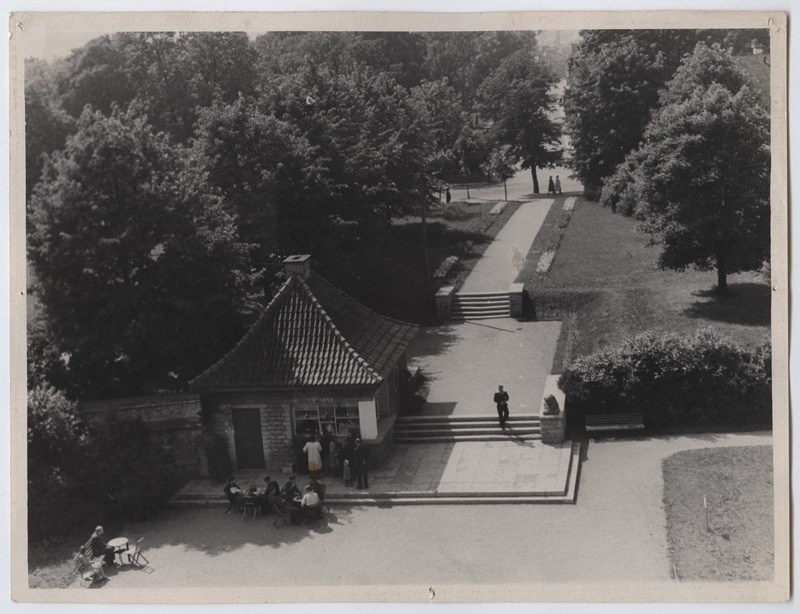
[
  {"x": 461, "y": 229},
  {"x": 605, "y": 275},
  {"x": 737, "y": 543}
]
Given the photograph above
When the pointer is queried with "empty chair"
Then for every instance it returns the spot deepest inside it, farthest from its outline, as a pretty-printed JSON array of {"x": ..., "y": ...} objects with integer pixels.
[
  {"x": 135, "y": 556},
  {"x": 280, "y": 516},
  {"x": 249, "y": 508}
]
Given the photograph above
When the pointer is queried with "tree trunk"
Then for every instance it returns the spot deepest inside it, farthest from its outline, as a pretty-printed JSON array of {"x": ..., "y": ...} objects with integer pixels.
[
  {"x": 505, "y": 189},
  {"x": 535, "y": 180},
  {"x": 722, "y": 275}
]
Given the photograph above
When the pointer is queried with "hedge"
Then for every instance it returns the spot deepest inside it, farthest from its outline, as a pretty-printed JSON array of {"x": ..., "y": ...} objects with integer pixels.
[{"x": 675, "y": 380}]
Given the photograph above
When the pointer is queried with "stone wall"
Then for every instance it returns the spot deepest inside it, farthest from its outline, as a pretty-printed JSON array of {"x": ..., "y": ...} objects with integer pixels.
[
  {"x": 553, "y": 425},
  {"x": 172, "y": 421}
]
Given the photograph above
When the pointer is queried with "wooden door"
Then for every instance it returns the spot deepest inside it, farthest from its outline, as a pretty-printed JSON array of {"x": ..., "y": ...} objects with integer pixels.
[{"x": 247, "y": 437}]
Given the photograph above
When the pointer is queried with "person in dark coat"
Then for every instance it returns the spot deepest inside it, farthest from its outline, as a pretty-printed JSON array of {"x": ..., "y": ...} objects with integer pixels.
[
  {"x": 232, "y": 493},
  {"x": 501, "y": 399},
  {"x": 360, "y": 459},
  {"x": 551, "y": 187},
  {"x": 272, "y": 495},
  {"x": 447, "y": 195},
  {"x": 98, "y": 546},
  {"x": 291, "y": 494}
]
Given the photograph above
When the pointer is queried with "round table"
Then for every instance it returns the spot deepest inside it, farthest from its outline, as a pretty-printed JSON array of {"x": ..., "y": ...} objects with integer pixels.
[{"x": 120, "y": 545}]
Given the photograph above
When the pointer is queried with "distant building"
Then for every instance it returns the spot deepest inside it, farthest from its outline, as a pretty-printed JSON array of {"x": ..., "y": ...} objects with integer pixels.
[{"x": 317, "y": 361}]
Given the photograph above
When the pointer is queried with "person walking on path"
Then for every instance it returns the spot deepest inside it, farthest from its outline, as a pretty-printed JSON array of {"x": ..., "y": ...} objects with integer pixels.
[
  {"x": 501, "y": 399},
  {"x": 551, "y": 188},
  {"x": 447, "y": 194},
  {"x": 360, "y": 458},
  {"x": 558, "y": 185},
  {"x": 314, "y": 451}
]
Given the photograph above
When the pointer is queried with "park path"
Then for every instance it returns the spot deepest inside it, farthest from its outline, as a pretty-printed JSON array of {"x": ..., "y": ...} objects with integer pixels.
[{"x": 503, "y": 259}]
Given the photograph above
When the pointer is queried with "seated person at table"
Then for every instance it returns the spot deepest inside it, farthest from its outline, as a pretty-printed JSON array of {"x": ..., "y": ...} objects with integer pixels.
[
  {"x": 291, "y": 496},
  {"x": 98, "y": 546},
  {"x": 272, "y": 494},
  {"x": 89, "y": 569},
  {"x": 310, "y": 498},
  {"x": 319, "y": 488},
  {"x": 310, "y": 501},
  {"x": 232, "y": 492}
]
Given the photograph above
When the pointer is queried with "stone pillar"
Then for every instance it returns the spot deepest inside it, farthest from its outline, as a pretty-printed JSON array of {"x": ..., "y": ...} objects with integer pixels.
[
  {"x": 444, "y": 299},
  {"x": 367, "y": 420},
  {"x": 515, "y": 292},
  {"x": 554, "y": 425}
]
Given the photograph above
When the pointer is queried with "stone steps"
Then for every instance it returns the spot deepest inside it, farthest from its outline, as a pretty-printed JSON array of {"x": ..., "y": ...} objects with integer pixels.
[
  {"x": 480, "y": 305},
  {"x": 445, "y": 429}
]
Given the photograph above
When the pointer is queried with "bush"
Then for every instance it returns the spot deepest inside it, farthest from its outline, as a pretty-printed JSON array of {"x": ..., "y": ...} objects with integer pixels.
[{"x": 675, "y": 381}]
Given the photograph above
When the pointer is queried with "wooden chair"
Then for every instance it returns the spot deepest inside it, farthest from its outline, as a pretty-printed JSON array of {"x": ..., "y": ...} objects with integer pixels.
[
  {"x": 249, "y": 508},
  {"x": 280, "y": 516},
  {"x": 135, "y": 556}
]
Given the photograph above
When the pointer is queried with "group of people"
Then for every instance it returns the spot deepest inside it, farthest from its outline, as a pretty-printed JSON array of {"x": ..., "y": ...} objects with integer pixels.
[
  {"x": 554, "y": 187},
  {"x": 289, "y": 498},
  {"x": 348, "y": 461}
]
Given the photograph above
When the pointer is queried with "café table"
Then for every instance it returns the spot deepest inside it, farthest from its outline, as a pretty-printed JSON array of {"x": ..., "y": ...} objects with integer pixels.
[{"x": 120, "y": 545}]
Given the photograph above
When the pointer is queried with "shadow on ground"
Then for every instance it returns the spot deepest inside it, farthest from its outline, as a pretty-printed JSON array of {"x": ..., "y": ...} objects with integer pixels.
[{"x": 746, "y": 303}]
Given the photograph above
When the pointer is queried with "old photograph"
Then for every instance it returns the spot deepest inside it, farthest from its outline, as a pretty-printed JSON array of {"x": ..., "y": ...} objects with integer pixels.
[{"x": 464, "y": 308}]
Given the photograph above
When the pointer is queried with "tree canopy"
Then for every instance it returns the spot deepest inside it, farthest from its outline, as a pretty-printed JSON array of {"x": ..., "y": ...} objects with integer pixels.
[
  {"x": 132, "y": 252},
  {"x": 615, "y": 77},
  {"x": 701, "y": 177}
]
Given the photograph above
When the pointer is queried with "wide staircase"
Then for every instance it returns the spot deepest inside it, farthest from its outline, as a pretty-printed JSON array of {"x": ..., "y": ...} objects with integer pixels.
[
  {"x": 444, "y": 429},
  {"x": 480, "y": 305}
]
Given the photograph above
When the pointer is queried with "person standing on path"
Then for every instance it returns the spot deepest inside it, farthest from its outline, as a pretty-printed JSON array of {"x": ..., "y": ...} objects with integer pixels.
[
  {"x": 360, "y": 459},
  {"x": 558, "y": 185},
  {"x": 447, "y": 194},
  {"x": 551, "y": 188},
  {"x": 501, "y": 399}
]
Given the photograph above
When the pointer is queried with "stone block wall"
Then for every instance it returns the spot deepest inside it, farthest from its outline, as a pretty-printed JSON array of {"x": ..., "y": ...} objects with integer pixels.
[
  {"x": 172, "y": 422},
  {"x": 553, "y": 426},
  {"x": 444, "y": 300},
  {"x": 516, "y": 300}
]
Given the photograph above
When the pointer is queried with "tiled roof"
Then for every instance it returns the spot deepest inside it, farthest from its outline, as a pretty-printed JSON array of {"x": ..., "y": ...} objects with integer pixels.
[{"x": 311, "y": 334}]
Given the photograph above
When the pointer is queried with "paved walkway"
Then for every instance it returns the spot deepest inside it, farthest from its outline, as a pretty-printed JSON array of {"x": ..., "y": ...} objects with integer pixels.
[
  {"x": 463, "y": 363},
  {"x": 503, "y": 259},
  {"x": 497, "y": 468},
  {"x": 614, "y": 534}
]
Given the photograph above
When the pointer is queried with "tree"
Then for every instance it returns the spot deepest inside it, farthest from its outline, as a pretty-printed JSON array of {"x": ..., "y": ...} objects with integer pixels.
[
  {"x": 133, "y": 255},
  {"x": 517, "y": 98},
  {"x": 501, "y": 165},
  {"x": 613, "y": 86},
  {"x": 703, "y": 172}
]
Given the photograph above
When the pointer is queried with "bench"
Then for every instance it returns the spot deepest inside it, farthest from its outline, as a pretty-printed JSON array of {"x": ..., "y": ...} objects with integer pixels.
[{"x": 614, "y": 422}]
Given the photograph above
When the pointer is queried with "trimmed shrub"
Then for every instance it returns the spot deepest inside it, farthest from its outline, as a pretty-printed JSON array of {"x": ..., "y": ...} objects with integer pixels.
[{"x": 675, "y": 381}]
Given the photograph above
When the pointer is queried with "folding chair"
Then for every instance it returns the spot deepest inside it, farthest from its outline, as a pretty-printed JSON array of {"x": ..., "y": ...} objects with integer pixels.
[
  {"x": 135, "y": 556},
  {"x": 249, "y": 509},
  {"x": 89, "y": 574},
  {"x": 280, "y": 516}
]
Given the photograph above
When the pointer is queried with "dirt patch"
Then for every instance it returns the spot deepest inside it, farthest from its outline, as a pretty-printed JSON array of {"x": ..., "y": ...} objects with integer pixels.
[{"x": 719, "y": 508}]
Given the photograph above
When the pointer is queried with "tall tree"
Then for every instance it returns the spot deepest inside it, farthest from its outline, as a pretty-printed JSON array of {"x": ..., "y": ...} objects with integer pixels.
[
  {"x": 518, "y": 98},
  {"x": 133, "y": 255},
  {"x": 613, "y": 86},
  {"x": 703, "y": 171}
]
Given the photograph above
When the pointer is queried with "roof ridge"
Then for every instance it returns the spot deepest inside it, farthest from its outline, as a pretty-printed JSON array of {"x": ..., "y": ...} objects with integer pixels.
[
  {"x": 360, "y": 304},
  {"x": 337, "y": 333},
  {"x": 280, "y": 295}
]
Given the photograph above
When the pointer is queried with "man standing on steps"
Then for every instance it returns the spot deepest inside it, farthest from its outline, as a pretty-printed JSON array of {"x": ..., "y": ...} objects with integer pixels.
[{"x": 501, "y": 398}]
